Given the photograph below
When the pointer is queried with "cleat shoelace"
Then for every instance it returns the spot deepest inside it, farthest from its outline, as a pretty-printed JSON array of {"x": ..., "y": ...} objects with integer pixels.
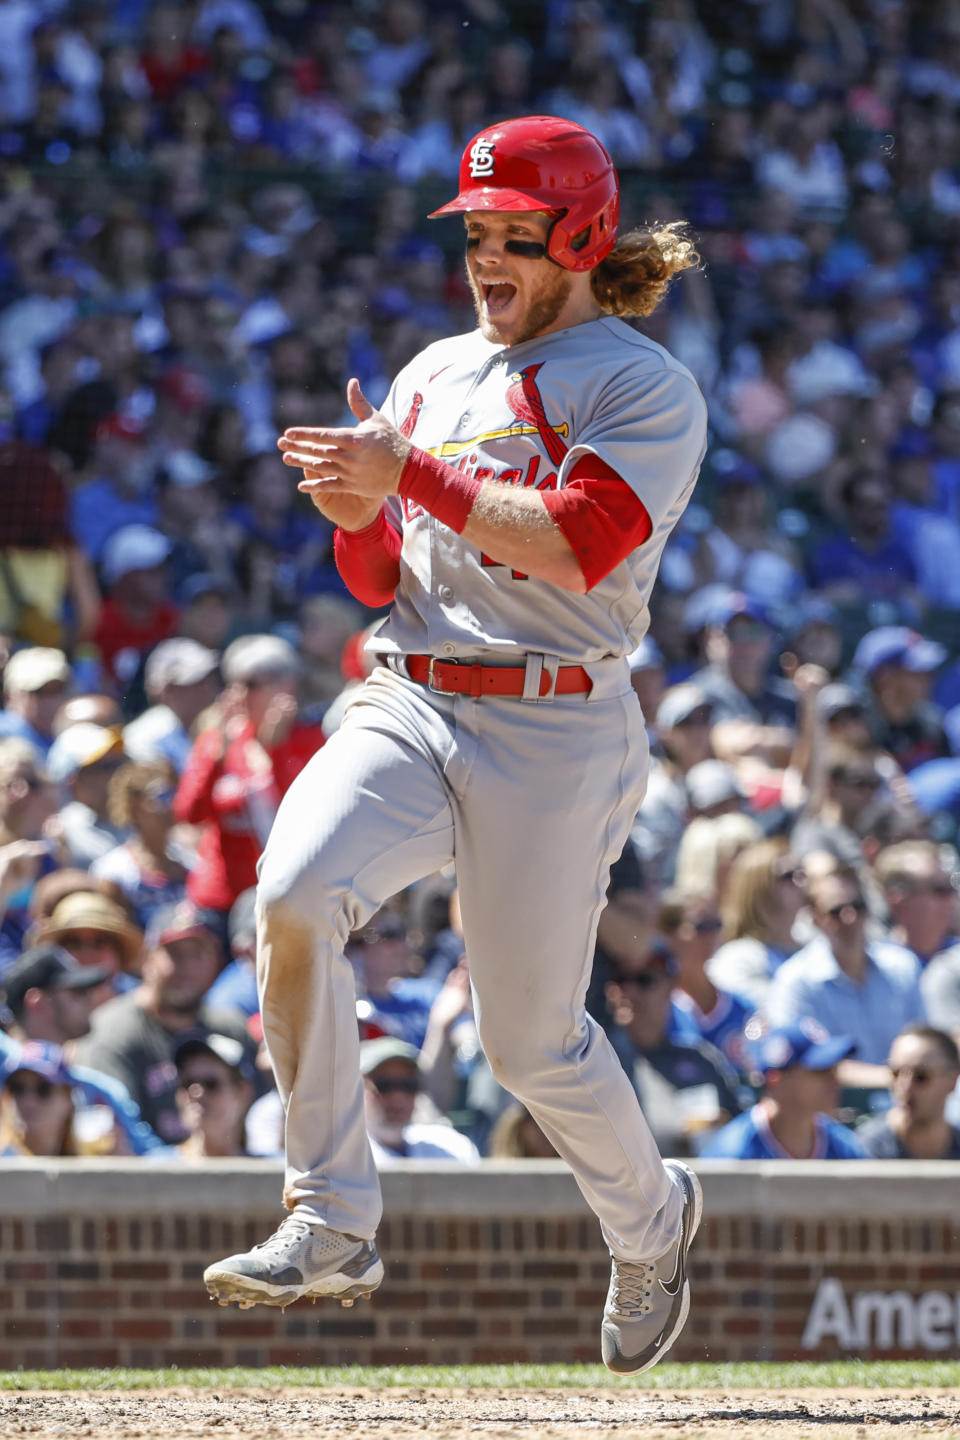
[
  {"x": 632, "y": 1288},
  {"x": 287, "y": 1236}
]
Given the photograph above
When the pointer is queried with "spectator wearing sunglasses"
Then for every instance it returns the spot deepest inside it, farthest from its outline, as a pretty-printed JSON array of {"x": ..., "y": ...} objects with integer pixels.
[
  {"x": 36, "y": 1103},
  {"x": 392, "y": 1097},
  {"x": 686, "y": 1087},
  {"x": 924, "y": 1070},
  {"x": 792, "y": 1119},
  {"x": 216, "y": 1083},
  {"x": 691, "y": 926},
  {"x": 866, "y": 989},
  {"x": 922, "y": 903},
  {"x": 150, "y": 865}
]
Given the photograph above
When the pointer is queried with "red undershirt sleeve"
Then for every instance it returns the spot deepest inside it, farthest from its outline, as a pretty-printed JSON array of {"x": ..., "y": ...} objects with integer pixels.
[
  {"x": 369, "y": 561},
  {"x": 601, "y": 517}
]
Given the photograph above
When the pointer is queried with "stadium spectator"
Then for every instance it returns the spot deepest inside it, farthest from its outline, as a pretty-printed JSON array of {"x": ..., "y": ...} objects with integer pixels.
[
  {"x": 867, "y": 560},
  {"x": 899, "y": 665},
  {"x": 149, "y": 865},
  {"x": 36, "y": 1103},
  {"x": 691, "y": 926},
  {"x": 137, "y": 613},
  {"x": 792, "y": 1119},
  {"x": 134, "y": 1037},
  {"x": 51, "y": 998},
  {"x": 685, "y": 1087},
  {"x": 517, "y": 1136},
  {"x": 392, "y": 1088},
  {"x": 763, "y": 899},
  {"x": 241, "y": 766},
  {"x": 924, "y": 1069},
  {"x": 397, "y": 1002},
  {"x": 180, "y": 681},
  {"x": 921, "y": 901},
  {"x": 35, "y": 683},
  {"x": 82, "y": 761},
  {"x": 216, "y": 1083},
  {"x": 865, "y": 989},
  {"x": 682, "y": 730}
]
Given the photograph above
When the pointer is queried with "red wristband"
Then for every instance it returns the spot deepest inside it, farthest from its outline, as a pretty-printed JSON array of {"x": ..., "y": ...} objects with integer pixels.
[{"x": 447, "y": 494}]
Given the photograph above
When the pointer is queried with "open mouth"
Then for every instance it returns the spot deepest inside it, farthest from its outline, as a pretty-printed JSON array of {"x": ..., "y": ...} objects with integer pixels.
[{"x": 497, "y": 297}]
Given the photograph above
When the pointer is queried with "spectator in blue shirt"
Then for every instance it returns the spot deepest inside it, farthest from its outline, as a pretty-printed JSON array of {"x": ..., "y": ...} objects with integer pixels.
[
  {"x": 867, "y": 990},
  {"x": 791, "y": 1120},
  {"x": 865, "y": 560},
  {"x": 700, "y": 1011}
]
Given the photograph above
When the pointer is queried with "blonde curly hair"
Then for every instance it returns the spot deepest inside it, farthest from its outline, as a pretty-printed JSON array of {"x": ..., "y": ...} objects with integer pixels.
[{"x": 636, "y": 275}]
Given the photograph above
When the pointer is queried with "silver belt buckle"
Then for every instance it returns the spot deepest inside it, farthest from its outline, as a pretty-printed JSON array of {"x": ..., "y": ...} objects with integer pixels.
[
  {"x": 533, "y": 673},
  {"x": 430, "y": 684}
]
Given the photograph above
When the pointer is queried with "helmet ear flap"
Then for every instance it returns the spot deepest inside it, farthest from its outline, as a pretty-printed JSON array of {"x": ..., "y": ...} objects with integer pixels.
[{"x": 577, "y": 246}]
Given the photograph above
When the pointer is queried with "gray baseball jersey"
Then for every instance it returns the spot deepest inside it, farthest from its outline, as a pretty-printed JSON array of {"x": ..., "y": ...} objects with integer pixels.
[{"x": 525, "y": 415}]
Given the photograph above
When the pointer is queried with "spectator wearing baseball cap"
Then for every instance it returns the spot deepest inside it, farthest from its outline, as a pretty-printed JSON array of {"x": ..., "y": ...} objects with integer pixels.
[
  {"x": 899, "y": 665},
  {"x": 135, "y": 1036},
  {"x": 792, "y": 1119},
  {"x": 682, "y": 730},
  {"x": 36, "y": 681},
  {"x": 138, "y": 612},
  {"x": 216, "y": 1084},
  {"x": 181, "y": 681},
  {"x": 51, "y": 997},
  {"x": 206, "y": 614},
  {"x": 82, "y": 760},
  {"x": 737, "y": 678},
  {"x": 242, "y": 765},
  {"x": 36, "y": 1103},
  {"x": 392, "y": 1091}
]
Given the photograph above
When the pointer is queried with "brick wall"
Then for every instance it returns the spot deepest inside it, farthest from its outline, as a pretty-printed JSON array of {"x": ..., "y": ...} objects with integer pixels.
[{"x": 100, "y": 1265}]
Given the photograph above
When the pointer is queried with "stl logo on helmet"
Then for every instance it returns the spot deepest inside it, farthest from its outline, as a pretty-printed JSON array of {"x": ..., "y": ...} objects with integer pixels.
[{"x": 481, "y": 159}]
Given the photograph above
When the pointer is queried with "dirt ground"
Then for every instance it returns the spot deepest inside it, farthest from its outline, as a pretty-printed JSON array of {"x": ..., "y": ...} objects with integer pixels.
[{"x": 463, "y": 1415}]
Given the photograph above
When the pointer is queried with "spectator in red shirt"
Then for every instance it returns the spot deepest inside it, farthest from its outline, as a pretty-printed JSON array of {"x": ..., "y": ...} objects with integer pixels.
[
  {"x": 241, "y": 766},
  {"x": 138, "y": 613}
]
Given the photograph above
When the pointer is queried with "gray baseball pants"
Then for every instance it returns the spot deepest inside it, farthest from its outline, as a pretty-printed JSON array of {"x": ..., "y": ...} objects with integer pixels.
[{"x": 533, "y": 802}]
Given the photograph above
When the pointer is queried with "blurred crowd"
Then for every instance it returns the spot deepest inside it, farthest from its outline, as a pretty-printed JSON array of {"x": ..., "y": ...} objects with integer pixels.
[{"x": 211, "y": 216}]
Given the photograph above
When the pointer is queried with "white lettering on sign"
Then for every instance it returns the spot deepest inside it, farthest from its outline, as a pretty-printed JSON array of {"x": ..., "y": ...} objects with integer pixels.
[
  {"x": 481, "y": 159},
  {"x": 882, "y": 1320}
]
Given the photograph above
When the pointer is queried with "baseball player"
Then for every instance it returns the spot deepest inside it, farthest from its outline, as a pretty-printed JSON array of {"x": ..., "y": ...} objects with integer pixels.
[{"x": 512, "y": 500}]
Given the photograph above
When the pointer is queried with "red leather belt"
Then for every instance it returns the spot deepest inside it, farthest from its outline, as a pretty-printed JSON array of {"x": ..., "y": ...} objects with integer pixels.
[{"x": 466, "y": 677}]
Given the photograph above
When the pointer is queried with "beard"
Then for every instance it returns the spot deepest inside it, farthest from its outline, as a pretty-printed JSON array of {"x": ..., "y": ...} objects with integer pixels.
[{"x": 543, "y": 309}]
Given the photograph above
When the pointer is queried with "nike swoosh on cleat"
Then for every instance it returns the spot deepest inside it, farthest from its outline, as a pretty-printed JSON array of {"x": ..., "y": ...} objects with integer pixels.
[{"x": 672, "y": 1286}]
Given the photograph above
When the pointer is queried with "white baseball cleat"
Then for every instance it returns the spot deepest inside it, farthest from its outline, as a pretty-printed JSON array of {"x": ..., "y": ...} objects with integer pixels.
[
  {"x": 298, "y": 1259},
  {"x": 648, "y": 1301}
]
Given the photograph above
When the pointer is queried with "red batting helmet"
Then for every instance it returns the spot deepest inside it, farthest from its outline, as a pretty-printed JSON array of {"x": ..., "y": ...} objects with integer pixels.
[{"x": 542, "y": 163}]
